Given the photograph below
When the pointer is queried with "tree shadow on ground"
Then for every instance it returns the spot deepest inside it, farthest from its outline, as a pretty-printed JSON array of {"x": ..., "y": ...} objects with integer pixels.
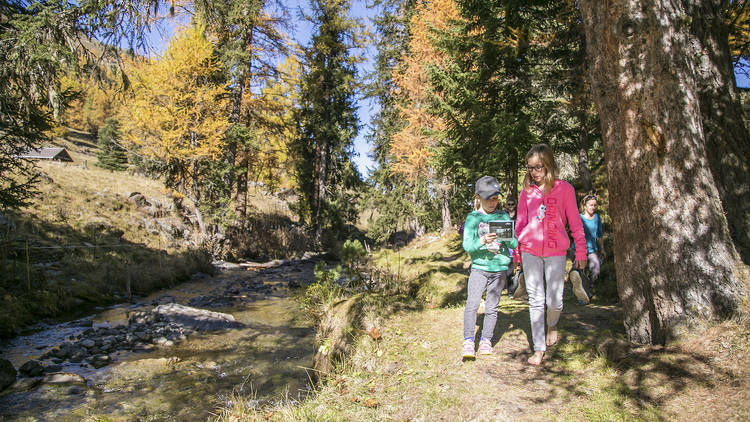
[{"x": 647, "y": 377}]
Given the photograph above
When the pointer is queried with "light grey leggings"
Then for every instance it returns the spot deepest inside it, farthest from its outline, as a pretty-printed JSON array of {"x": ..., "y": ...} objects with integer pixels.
[
  {"x": 535, "y": 270},
  {"x": 595, "y": 266},
  {"x": 479, "y": 281}
]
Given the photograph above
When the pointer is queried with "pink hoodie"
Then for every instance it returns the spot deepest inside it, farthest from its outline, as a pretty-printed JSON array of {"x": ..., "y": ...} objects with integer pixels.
[{"x": 548, "y": 237}]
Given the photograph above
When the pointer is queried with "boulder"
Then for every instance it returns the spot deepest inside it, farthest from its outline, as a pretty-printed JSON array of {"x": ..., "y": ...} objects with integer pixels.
[
  {"x": 32, "y": 368},
  {"x": 139, "y": 200},
  {"x": 64, "y": 378},
  {"x": 7, "y": 374},
  {"x": 198, "y": 319}
]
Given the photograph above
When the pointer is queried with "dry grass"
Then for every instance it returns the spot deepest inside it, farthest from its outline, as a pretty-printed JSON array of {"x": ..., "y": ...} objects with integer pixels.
[
  {"x": 414, "y": 371},
  {"x": 80, "y": 241}
]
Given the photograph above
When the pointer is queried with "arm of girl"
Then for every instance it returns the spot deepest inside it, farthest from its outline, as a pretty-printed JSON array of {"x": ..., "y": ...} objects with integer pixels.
[{"x": 576, "y": 228}]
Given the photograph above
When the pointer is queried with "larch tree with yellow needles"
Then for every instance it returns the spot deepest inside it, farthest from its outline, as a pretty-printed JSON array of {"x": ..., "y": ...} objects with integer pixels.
[{"x": 178, "y": 114}]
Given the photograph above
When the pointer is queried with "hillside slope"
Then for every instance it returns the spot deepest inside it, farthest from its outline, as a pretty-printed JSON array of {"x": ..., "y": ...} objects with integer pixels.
[{"x": 90, "y": 236}]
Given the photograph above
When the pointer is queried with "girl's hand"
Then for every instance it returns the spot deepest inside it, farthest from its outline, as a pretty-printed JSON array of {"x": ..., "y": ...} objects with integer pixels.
[
  {"x": 581, "y": 263},
  {"x": 489, "y": 238}
]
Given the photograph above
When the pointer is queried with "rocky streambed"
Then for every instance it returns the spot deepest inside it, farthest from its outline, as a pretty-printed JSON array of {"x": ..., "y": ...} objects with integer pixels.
[{"x": 177, "y": 355}]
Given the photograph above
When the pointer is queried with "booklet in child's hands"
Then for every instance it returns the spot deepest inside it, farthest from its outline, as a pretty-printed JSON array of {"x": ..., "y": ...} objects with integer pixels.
[{"x": 503, "y": 229}]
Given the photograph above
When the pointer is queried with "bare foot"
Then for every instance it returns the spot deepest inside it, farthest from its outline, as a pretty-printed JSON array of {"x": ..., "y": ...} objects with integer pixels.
[
  {"x": 536, "y": 358},
  {"x": 552, "y": 336}
]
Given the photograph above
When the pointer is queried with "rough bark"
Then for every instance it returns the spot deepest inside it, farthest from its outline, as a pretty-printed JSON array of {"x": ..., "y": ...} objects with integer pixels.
[
  {"x": 727, "y": 139},
  {"x": 674, "y": 257},
  {"x": 584, "y": 143},
  {"x": 511, "y": 174}
]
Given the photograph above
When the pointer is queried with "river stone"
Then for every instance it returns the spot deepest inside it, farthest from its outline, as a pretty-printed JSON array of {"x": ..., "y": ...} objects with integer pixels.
[
  {"x": 78, "y": 356},
  {"x": 99, "y": 361},
  {"x": 64, "y": 378},
  {"x": 88, "y": 343},
  {"x": 31, "y": 368},
  {"x": 53, "y": 368},
  {"x": 7, "y": 374},
  {"x": 195, "y": 318}
]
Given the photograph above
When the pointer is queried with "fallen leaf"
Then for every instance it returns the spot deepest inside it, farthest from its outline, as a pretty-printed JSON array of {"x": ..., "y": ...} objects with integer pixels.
[
  {"x": 355, "y": 399},
  {"x": 268, "y": 416},
  {"x": 374, "y": 333},
  {"x": 371, "y": 403},
  {"x": 372, "y": 390}
]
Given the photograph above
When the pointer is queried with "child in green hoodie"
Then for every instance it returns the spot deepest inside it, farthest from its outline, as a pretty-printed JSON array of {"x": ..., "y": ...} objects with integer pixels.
[{"x": 490, "y": 260}]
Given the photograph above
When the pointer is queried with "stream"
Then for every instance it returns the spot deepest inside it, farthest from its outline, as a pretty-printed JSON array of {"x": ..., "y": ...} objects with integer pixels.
[{"x": 131, "y": 363}]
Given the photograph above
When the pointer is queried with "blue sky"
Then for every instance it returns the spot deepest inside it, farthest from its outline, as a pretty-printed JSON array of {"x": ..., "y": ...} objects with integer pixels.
[{"x": 366, "y": 107}]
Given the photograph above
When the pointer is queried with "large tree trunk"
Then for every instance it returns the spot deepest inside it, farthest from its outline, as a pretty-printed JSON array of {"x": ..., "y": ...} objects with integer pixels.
[
  {"x": 674, "y": 257},
  {"x": 727, "y": 138}
]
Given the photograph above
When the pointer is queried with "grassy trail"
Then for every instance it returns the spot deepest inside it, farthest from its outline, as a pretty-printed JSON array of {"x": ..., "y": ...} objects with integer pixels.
[{"x": 414, "y": 371}]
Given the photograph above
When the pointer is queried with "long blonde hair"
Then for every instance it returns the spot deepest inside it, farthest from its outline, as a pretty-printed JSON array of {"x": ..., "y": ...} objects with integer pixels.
[{"x": 544, "y": 153}]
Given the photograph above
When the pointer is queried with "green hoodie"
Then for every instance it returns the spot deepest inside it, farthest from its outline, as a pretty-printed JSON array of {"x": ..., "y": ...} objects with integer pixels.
[{"x": 481, "y": 258}]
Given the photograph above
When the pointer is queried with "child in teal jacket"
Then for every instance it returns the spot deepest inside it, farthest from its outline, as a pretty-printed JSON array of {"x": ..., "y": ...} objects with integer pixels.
[{"x": 489, "y": 263}]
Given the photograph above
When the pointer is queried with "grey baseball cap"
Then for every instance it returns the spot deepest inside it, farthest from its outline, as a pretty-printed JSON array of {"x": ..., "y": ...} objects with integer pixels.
[{"x": 486, "y": 187}]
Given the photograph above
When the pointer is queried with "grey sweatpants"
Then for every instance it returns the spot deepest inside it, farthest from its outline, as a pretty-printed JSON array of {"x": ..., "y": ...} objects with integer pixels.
[
  {"x": 536, "y": 270},
  {"x": 479, "y": 281},
  {"x": 595, "y": 266}
]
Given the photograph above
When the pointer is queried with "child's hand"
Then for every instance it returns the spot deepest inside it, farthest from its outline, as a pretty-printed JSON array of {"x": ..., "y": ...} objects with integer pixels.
[{"x": 489, "y": 238}]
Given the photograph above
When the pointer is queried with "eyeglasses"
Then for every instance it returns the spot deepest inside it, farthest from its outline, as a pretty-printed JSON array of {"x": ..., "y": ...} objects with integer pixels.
[
  {"x": 536, "y": 168},
  {"x": 587, "y": 198}
]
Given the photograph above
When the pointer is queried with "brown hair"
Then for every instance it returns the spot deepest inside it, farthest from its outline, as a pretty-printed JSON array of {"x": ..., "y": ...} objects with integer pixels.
[{"x": 544, "y": 153}]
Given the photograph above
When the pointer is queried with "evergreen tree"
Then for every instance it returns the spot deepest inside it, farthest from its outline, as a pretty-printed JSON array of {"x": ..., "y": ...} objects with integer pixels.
[
  {"x": 390, "y": 193},
  {"x": 39, "y": 41},
  {"x": 111, "y": 155},
  {"x": 328, "y": 117},
  {"x": 494, "y": 90},
  {"x": 248, "y": 40}
]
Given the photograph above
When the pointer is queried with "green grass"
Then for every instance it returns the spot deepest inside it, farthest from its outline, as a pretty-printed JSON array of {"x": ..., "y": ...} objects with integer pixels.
[{"x": 413, "y": 372}]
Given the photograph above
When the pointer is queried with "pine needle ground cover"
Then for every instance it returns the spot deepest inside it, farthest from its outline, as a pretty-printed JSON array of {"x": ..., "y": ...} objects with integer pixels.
[{"x": 413, "y": 371}]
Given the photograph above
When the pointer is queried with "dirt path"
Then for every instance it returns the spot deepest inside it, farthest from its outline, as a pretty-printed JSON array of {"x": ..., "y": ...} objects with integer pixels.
[{"x": 416, "y": 372}]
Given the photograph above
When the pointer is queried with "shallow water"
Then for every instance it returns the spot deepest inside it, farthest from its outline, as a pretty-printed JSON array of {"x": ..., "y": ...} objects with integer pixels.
[{"x": 267, "y": 359}]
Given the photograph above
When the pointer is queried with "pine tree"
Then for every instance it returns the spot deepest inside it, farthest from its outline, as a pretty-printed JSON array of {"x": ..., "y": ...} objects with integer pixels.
[
  {"x": 491, "y": 89},
  {"x": 391, "y": 192},
  {"x": 40, "y": 41},
  {"x": 323, "y": 168},
  {"x": 111, "y": 155},
  {"x": 178, "y": 115}
]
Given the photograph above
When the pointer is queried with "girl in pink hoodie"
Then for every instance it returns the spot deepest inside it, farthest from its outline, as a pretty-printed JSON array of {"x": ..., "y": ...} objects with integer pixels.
[{"x": 546, "y": 206}]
